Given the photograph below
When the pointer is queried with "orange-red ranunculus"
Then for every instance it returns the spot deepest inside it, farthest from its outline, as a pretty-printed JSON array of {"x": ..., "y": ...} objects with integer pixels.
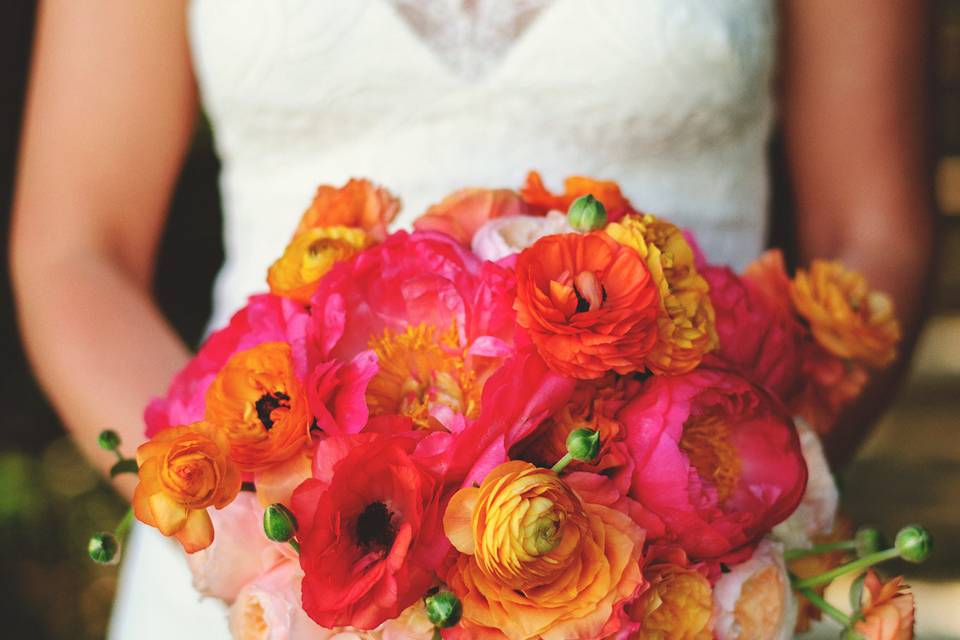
[
  {"x": 537, "y": 560},
  {"x": 309, "y": 256},
  {"x": 687, "y": 323},
  {"x": 541, "y": 200},
  {"x": 260, "y": 404},
  {"x": 845, "y": 316},
  {"x": 887, "y": 608},
  {"x": 183, "y": 471},
  {"x": 460, "y": 214},
  {"x": 589, "y": 304},
  {"x": 359, "y": 203}
]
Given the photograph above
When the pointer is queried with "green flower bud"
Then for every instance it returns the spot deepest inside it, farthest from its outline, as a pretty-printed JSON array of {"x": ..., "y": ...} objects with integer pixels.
[
  {"x": 103, "y": 548},
  {"x": 583, "y": 444},
  {"x": 108, "y": 440},
  {"x": 443, "y": 609},
  {"x": 279, "y": 523},
  {"x": 914, "y": 543},
  {"x": 868, "y": 541},
  {"x": 586, "y": 213}
]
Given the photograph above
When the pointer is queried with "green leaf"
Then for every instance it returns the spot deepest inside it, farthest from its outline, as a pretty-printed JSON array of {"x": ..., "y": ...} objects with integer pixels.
[{"x": 127, "y": 465}]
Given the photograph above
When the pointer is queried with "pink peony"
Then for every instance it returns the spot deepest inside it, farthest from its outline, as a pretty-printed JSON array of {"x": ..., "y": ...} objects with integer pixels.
[
  {"x": 422, "y": 323},
  {"x": 266, "y": 318},
  {"x": 239, "y": 553},
  {"x": 717, "y": 459},
  {"x": 759, "y": 338}
]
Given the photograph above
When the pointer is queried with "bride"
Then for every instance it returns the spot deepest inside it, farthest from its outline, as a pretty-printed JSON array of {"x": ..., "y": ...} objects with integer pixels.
[{"x": 674, "y": 99}]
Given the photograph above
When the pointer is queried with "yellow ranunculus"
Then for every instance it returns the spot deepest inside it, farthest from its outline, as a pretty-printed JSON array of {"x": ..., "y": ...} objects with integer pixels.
[
  {"x": 687, "y": 324},
  {"x": 846, "y": 317},
  {"x": 538, "y": 561},
  {"x": 678, "y": 604},
  {"x": 309, "y": 256}
]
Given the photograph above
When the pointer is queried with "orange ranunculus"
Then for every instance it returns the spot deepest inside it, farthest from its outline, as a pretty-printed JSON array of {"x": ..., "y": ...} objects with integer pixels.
[
  {"x": 687, "y": 323},
  {"x": 537, "y": 560},
  {"x": 846, "y": 317},
  {"x": 541, "y": 200},
  {"x": 460, "y": 214},
  {"x": 183, "y": 471},
  {"x": 887, "y": 608},
  {"x": 678, "y": 602},
  {"x": 359, "y": 203},
  {"x": 257, "y": 400},
  {"x": 309, "y": 256},
  {"x": 589, "y": 304}
]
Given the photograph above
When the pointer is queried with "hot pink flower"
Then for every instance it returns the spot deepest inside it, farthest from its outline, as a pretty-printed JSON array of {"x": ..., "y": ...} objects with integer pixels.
[
  {"x": 370, "y": 531},
  {"x": 716, "y": 459},
  {"x": 436, "y": 319},
  {"x": 759, "y": 338},
  {"x": 266, "y": 318}
]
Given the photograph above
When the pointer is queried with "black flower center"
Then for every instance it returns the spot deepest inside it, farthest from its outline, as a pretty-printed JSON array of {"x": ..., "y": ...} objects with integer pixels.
[
  {"x": 269, "y": 402},
  {"x": 374, "y": 526}
]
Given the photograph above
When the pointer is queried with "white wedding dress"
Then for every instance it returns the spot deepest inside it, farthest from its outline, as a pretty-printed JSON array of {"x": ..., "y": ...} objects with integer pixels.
[{"x": 671, "y": 98}]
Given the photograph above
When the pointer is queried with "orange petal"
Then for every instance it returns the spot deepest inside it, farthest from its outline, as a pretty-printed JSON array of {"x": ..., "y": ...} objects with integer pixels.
[
  {"x": 457, "y": 519},
  {"x": 169, "y": 514},
  {"x": 276, "y": 483},
  {"x": 197, "y": 532},
  {"x": 141, "y": 506}
]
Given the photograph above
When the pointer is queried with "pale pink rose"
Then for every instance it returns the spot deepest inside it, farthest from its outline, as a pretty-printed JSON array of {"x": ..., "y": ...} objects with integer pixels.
[
  {"x": 501, "y": 237},
  {"x": 754, "y": 599},
  {"x": 818, "y": 507},
  {"x": 268, "y": 608},
  {"x": 240, "y": 550}
]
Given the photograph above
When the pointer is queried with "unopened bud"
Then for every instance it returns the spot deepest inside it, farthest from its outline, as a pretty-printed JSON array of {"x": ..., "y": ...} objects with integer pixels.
[
  {"x": 868, "y": 541},
  {"x": 913, "y": 543},
  {"x": 108, "y": 440},
  {"x": 583, "y": 444},
  {"x": 279, "y": 523},
  {"x": 443, "y": 609},
  {"x": 103, "y": 548},
  {"x": 586, "y": 213}
]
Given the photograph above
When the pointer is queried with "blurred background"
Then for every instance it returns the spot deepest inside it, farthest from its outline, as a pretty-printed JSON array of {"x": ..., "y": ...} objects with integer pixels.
[{"x": 50, "y": 501}]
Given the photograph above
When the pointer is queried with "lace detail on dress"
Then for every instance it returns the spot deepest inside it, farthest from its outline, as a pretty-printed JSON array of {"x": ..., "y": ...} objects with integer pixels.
[{"x": 469, "y": 36}]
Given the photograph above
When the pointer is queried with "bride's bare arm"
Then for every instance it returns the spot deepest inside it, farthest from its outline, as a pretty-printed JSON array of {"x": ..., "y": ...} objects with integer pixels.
[
  {"x": 110, "y": 110},
  {"x": 857, "y": 133}
]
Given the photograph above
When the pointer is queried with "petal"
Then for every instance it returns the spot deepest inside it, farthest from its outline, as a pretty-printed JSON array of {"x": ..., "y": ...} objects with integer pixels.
[
  {"x": 458, "y": 517},
  {"x": 197, "y": 532},
  {"x": 169, "y": 514}
]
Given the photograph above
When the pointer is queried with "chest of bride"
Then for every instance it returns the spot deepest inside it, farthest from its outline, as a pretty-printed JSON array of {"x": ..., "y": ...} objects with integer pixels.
[{"x": 664, "y": 74}]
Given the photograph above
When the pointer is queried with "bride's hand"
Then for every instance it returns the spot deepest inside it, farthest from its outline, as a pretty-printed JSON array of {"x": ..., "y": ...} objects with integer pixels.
[{"x": 109, "y": 114}]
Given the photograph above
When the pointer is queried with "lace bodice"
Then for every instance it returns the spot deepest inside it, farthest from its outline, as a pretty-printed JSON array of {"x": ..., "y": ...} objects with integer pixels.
[{"x": 669, "y": 97}]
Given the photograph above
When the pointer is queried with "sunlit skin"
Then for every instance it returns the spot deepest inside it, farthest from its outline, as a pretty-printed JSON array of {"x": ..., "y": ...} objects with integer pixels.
[{"x": 853, "y": 107}]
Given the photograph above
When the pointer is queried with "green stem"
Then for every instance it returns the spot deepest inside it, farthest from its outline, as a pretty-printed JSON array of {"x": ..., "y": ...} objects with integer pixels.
[
  {"x": 858, "y": 564},
  {"x": 816, "y": 600},
  {"x": 120, "y": 457},
  {"x": 842, "y": 545},
  {"x": 123, "y": 526},
  {"x": 562, "y": 463},
  {"x": 436, "y": 634},
  {"x": 295, "y": 545}
]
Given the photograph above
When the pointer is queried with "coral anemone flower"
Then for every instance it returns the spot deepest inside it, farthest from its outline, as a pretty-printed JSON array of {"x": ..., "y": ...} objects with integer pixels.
[
  {"x": 260, "y": 404},
  {"x": 589, "y": 304}
]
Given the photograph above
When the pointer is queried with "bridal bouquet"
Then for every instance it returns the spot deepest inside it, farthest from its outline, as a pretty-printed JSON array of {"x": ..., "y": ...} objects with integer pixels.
[{"x": 538, "y": 415}]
